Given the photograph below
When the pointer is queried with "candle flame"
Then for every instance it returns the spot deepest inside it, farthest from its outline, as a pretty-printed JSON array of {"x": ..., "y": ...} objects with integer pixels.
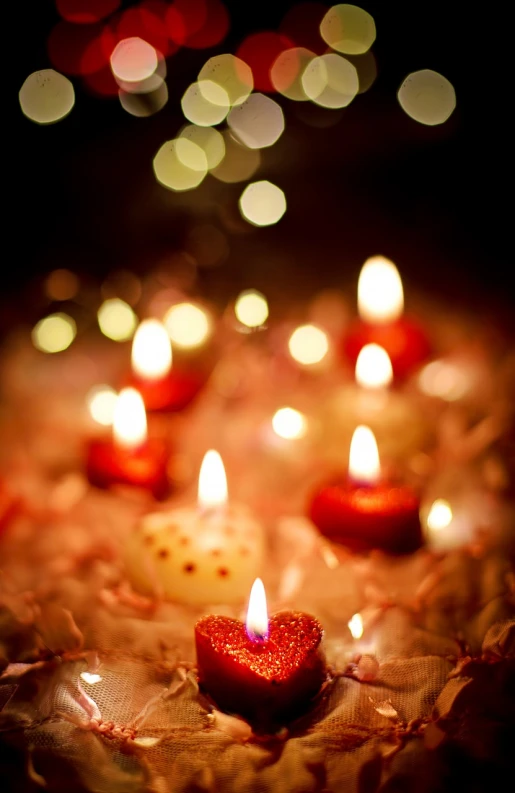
[
  {"x": 364, "y": 463},
  {"x": 212, "y": 481},
  {"x": 373, "y": 367},
  {"x": 130, "y": 419},
  {"x": 440, "y": 515},
  {"x": 257, "y": 613},
  {"x": 356, "y": 626},
  {"x": 380, "y": 292},
  {"x": 151, "y": 350}
]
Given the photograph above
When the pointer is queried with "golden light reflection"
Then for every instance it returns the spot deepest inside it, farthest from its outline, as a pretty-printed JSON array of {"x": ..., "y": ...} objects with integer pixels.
[
  {"x": 46, "y": 96},
  {"x": 206, "y": 104},
  {"x": 212, "y": 482},
  {"x": 239, "y": 163},
  {"x": 364, "y": 465},
  {"x": 188, "y": 325},
  {"x": 209, "y": 140},
  {"x": 373, "y": 367},
  {"x": 445, "y": 380},
  {"x": 54, "y": 333},
  {"x": 116, "y": 319},
  {"x": 440, "y": 515},
  {"x": 101, "y": 401},
  {"x": 61, "y": 285},
  {"x": 257, "y": 613},
  {"x": 308, "y": 344},
  {"x": 151, "y": 354},
  {"x": 133, "y": 60},
  {"x": 286, "y": 72},
  {"x": 171, "y": 171},
  {"x": 231, "y": 73},
  {"x": 330, "y": 81},
  {"x": 91, "y": 678},
  {"x": 380, "y": 292},
  {"x": 262, "y": 203},
  {"x": 349, "y": 29},
  {"x": 251, "y": 308},
  {"x": 130, "y": 419},
  {"x": 427, "y": 97},
  {"x": 289, "y": 423},
  {"x": 258, "y": 122},
  {"x": 356, "y": 626}
]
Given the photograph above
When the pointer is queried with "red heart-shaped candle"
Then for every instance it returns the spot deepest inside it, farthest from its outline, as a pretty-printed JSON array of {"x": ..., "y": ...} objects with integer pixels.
[{"x": 269, "y": 682}]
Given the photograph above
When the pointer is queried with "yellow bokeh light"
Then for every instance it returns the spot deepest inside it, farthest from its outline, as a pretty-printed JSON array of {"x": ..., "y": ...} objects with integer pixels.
[
  {"x": 445, "y": 380},
  {"x": 286, "y": 72},
  {"x": 54, "y": 333},
  {"x": 172, "y": 172},
  {"x": 251, "y": 308},
  {"x": 427, "y": 97},
  {"x": 356, "y": 626},
  {"x": 101, "y": 401},
  {"x": 380, "y": 291},
  {"x": 239, "y": 162},
  {"x": 258, "y": 122},
  {"x": 133, "y": 60},
  {"x": 308, "y": 344},
  {"x": 61, "y": 285},
  {"x": 188, "y": 325},
  {"x": 205, "y": 104},
  {"x": 262, "y": 203},
  {"x": 116, "y": 319},
  {"x": 209, "y": 140},
  {"x": 231, "y": 73},
  {"x": 330, "y": 81},
  {"x": 144, "y": 104},
  {"x": 289, "y": 423},
  {"x": 46, "y": 96},
  {"x": 349, "y": 29},
  {"x": 373, "y": 367},
  {"x": 440, "y": 515}
]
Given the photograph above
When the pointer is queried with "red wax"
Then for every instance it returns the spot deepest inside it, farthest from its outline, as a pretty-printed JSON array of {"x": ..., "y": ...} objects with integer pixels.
[
  {"x": 404, "y": 340},
  {"x": 145, "y": 466},
  {"x": 370, "y": 517},
  {"x": 173, "y": 392},
  {"x": 267, "y": 683}
]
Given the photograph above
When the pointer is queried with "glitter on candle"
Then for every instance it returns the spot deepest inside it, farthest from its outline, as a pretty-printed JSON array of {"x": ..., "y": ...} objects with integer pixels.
[
  {"x": 151, "y": 350},
  {"x": 251, "y": 308},
  {"x": 380, "y": 292},
  {"x": 308, "y": 344},
  {"x": 130, "y": 419},
  {"x": 212, "y": 482},
  {"x": 289, "y": 423},
  {"x": 373, "y": 367},
  {"x": 257, "y": 613},
  {"x": 356, "y": 626},
  {"x": 364, "y": 465}
]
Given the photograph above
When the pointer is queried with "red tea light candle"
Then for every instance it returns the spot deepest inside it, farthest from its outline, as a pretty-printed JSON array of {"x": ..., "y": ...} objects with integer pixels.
[
  {"x": 382, "y": 320},
  {"x": 268, "y": 670},
  {"x": 163, "y": 387},
  {"x": 362, "y": 512},
  {"x": 129, "y": 457},
  {"x": 208, "y": 552}
]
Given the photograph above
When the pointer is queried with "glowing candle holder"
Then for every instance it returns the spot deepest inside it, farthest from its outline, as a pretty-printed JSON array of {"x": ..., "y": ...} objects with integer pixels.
[
  {"x": 163, "y": 387},
  {"x": 269, "y": 671},
  {"x": 209, "y": 552},
  {"x": 361, "y": 512},
  {"x": 382, "y": 321},
  {"x": 129, "y": 457}
]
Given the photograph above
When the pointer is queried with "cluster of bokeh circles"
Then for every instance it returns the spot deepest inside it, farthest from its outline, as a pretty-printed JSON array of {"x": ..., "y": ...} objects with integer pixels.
[{"x": 319, "y": 54}]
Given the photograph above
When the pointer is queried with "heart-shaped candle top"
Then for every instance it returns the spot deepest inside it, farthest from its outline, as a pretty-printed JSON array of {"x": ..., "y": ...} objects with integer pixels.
[{"x": 268, "y": 682}]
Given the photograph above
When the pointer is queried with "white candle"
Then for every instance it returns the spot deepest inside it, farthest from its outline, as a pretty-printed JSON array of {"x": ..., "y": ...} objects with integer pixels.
[{"x": 209, "y": 552}]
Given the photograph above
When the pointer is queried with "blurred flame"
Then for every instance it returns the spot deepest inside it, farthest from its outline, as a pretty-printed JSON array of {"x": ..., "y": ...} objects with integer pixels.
[
  {"x": 151, "y": 350},
  {"x": 440, "y": 515},
  {"x": 364, "y": 463},
  {"x": 257, "y": 613},
  {"x": 212, "y": 481},
  {"x": 380, "y": 292},
  {"x": 130, "y": 419},
  {"x": 356, "y": 626},
  {"x": 373, "y": 367}
]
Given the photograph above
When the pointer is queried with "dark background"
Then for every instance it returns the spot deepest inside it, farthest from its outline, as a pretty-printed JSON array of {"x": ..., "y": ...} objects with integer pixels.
[{"x": 434, "y": 199}]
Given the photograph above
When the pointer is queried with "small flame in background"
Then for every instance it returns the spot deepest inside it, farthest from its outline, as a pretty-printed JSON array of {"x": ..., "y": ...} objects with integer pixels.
[{"x": 212, "y": 482}]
